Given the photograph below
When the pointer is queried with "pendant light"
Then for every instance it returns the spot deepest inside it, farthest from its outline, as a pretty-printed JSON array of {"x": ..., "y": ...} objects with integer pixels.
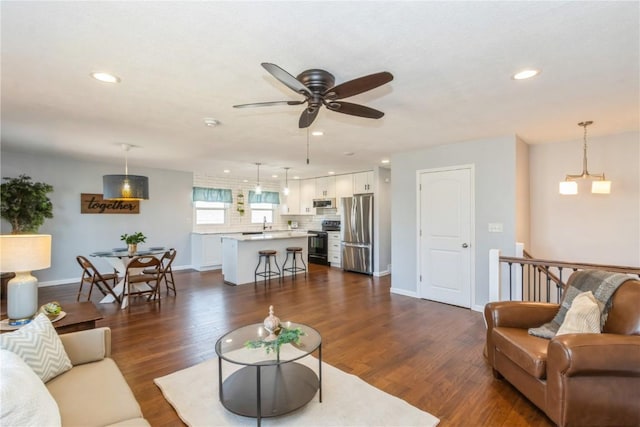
[
  {"x": 258, "y": 188},
  {"x": 599, "y": 185},
  {"x": 125, "y": 187},
  {"x": 286, "y": 181}
]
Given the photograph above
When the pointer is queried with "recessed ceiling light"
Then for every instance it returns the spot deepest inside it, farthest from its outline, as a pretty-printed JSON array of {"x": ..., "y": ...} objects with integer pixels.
[
  {"x": 525, "y": 74},
  {"x": 348, "y": 153},
  {"x": 245, "y": 180},
  {"x": 296, "y": 177},
  {"x": 226, "y": 171},
  {"x": 274, "y": 176},
  {"x": 331, "y": 173},
  {"x": 317, "y": 133},
  {"x": 211, "y": 122},
  {"x": 105, "y": 77},
  {"x": 385, "y": 161}
]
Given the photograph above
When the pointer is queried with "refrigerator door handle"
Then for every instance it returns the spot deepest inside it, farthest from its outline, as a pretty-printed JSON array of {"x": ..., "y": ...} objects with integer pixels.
[{"x": 356, "y": 245}]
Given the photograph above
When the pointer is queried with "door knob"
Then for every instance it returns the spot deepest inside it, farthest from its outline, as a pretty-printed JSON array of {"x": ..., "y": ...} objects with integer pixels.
[{"x": 464, "y": 245}]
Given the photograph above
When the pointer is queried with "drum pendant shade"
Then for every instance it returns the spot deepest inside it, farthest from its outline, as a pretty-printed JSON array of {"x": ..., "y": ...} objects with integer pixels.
[{"x": 125, "y": 187}]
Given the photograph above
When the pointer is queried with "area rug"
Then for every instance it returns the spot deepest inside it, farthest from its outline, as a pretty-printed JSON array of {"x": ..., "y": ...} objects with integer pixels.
[{"x": 346, "y": 401}]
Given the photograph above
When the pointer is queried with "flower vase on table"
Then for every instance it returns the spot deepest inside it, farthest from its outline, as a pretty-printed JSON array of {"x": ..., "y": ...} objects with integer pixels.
[{"x": 132, "y": 248}]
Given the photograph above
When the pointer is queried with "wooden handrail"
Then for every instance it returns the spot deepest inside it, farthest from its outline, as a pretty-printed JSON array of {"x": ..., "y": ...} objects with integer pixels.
[
  {"x": 572, "y": 265},
  {"x": 545, "y": 270}
]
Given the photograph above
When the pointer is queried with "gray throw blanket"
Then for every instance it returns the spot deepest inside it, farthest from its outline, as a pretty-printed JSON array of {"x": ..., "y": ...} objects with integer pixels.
[{"x": 601, "y": 283}]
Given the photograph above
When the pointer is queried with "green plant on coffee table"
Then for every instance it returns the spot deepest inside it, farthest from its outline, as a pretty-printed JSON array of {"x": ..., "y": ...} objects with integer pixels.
[
  {"x": 133, "y": 239},
  {"x": 285, "y": 336}
]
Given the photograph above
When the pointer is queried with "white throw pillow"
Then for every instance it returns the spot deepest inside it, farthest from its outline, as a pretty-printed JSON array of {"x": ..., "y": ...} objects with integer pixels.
[
  {"x": 582, "y": 317},
  {"x": 39, "y": 345},
  {"x": 24, "y": 399}
]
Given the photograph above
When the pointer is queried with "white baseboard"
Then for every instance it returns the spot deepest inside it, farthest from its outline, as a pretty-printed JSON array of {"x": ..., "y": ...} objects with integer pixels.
[
  {"x": 478, "y": 308},
  {"x": 77, "y": 279},
  {"x": 404, "y": 292},
  {"x": 381, "y": 273}
]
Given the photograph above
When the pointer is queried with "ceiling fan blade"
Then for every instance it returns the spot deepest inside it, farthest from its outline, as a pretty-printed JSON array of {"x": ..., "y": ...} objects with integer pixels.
[
  {"x": 359, "y": 85},
  {"x": 354, "y": 109},
  {"x": 286, "y": 78},
  {"x": 268, "y": 104},
  {"x": 308, "y": 116}
]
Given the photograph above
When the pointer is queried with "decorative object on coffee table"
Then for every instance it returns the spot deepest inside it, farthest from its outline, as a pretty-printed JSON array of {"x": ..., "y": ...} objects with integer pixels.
[{"x": 278, "y": 335}]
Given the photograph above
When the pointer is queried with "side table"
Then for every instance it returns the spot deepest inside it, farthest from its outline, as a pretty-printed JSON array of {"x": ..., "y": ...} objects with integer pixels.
[{"x": 80, "y": 316}]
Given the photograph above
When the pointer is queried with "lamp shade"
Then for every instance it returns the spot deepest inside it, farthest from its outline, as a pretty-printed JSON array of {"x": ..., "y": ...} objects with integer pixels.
[
  {"x": 601, "y": 187},
  {"x": 25, "y": 252},
  {"x": 125, "y": 187},
  {"x": 568, "y": 188}
]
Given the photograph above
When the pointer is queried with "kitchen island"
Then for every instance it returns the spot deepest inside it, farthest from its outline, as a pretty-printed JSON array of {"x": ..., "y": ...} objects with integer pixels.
[{"x": 240, "y": 253}]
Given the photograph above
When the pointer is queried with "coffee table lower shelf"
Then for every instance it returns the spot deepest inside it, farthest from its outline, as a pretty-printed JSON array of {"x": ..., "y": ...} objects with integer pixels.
[{"x": 283, "y": 389}]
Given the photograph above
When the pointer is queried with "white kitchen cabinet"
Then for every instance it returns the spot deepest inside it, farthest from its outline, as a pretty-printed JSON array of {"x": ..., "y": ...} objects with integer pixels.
[
  {"x": 206, "y": 251},
  {"x": 363, "y": 182},
  {"x": 290, "y": 204},
  {"x": 344, "y": 188},
  {"x": 333, "y": 252},
  {"x": 307, "y": 194},
  {"x": 326, "y": 187}
]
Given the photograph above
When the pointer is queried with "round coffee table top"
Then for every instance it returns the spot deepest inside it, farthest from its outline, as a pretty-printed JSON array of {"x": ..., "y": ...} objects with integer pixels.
[{"x": 231, "y": 346}]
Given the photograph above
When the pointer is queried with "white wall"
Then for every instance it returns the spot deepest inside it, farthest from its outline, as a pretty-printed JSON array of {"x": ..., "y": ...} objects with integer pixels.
[
  {"x": 495, "y": 201},
  {"x": 382, "y": 222},
  {"x": 603, "y": 229},
  {"x": 166, "y": 218},
  {"x": 523, "y": 194}
]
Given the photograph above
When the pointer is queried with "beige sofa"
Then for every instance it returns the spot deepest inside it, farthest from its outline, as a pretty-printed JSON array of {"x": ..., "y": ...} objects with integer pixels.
[{"x": 93, "y": 392}]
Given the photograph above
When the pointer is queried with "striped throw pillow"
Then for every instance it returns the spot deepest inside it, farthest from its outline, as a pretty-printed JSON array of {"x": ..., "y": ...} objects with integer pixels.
[
  {"x": 582, "y": 317},
  {"x": 39, "y": 345}
]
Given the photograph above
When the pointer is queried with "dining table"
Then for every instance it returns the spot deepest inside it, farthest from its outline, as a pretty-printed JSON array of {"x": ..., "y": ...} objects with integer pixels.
[{"x": 119, "y": 259}]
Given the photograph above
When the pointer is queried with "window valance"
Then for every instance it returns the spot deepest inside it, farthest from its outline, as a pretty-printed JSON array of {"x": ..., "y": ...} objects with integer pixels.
[
  {"x": 272, "y": 197},
  {"x": 203, "y": 194}
]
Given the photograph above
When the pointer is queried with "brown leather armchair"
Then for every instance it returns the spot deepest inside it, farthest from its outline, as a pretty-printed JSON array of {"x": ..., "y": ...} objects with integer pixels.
[{"x": 576, "y": 379}]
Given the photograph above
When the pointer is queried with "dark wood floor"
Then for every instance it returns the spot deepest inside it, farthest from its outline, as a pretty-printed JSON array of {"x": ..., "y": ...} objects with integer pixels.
[{"x": 426, "y": 353}]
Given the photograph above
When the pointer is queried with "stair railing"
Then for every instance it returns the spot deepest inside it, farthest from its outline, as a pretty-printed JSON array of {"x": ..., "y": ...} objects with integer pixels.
[{"x": 539, "y": 280}]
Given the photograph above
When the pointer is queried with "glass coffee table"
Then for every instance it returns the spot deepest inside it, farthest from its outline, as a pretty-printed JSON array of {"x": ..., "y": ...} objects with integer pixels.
[{"x": 268, "y": 384}]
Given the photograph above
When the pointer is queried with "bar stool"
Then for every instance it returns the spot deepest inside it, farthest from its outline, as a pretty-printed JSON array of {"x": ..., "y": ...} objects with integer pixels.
[
  {"x": 266, "y": 254},
  {"x": 293, "y": 250}
]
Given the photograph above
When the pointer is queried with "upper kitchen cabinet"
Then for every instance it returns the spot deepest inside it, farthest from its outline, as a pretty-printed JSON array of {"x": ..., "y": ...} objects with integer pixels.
[
  {"x": 344, "y": 188},
  {"x": 363, "y": 182},
  {"x": 291, "y": 202},
  {"x": 307, "y": 194},
  {"x": 326, "y": 187}
]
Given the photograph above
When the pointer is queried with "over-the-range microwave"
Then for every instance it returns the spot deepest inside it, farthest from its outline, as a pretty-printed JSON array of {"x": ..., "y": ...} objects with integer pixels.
[{"x": 324, "y": 203}]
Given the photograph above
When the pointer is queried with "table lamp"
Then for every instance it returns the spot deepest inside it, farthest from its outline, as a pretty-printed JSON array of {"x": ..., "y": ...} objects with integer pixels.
[{"x": 21, "y": 254}]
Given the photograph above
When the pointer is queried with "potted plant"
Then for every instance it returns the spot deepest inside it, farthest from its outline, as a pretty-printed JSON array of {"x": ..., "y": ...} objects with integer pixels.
[
  {"x": 24, "y": 204},
  {"x": 132, "y": 241}
]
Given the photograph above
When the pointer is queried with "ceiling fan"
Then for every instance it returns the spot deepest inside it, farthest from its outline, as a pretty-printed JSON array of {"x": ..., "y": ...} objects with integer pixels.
[{"x": 317, "y": 86}]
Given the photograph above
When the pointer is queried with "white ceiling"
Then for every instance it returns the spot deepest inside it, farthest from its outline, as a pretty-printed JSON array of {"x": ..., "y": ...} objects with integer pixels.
[{"x": 183, "y": 61}]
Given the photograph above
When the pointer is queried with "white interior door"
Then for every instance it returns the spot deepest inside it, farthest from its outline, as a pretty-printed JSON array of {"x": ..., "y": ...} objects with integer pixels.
[{"x": 445, "y": 236}]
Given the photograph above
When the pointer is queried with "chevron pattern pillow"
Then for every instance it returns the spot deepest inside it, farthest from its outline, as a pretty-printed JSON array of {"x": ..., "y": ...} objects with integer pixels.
[{"x": 39, "y": 345}]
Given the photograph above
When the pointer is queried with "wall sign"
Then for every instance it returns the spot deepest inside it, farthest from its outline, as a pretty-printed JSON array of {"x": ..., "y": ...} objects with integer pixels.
[{"x": 95, "y": 204}]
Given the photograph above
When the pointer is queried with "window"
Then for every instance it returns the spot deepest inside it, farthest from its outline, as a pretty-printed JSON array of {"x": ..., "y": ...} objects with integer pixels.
[
  {"x": 210, "y": 212},
  {"x": 260, "y": 211}
]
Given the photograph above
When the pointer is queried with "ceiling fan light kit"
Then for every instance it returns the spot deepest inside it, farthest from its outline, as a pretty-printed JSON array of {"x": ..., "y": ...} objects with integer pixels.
[
  {"x": 318, "y": 88},
  {"x": 599, "y": 184}
]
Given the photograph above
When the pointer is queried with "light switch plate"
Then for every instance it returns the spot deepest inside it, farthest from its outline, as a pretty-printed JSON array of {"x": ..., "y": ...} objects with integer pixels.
[{"x": 495, "y": 227}]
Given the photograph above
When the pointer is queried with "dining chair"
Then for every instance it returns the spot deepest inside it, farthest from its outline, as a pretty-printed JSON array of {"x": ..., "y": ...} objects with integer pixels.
[
  {"x": 104, "y": 282},
  {"x": 139, "y": 283},
  {"x": 166, "y": 271}
]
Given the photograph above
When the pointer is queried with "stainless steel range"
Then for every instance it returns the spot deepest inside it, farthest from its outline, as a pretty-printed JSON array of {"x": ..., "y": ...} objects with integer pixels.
[{"x": 319, "y": 242}]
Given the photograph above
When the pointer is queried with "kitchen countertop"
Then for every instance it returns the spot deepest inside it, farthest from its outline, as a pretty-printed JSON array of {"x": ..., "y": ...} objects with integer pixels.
[
  {"x": 269, "y": 235},
  {"x": 249, "y": 231}
]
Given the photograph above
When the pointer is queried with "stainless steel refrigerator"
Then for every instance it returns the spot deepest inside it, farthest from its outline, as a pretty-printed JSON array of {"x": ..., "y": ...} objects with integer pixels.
[{"x": 357, "y": 233}]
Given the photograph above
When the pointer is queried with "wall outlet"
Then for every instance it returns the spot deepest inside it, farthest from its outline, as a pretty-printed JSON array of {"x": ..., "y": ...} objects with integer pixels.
[{"x": 495, "y": 227}]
